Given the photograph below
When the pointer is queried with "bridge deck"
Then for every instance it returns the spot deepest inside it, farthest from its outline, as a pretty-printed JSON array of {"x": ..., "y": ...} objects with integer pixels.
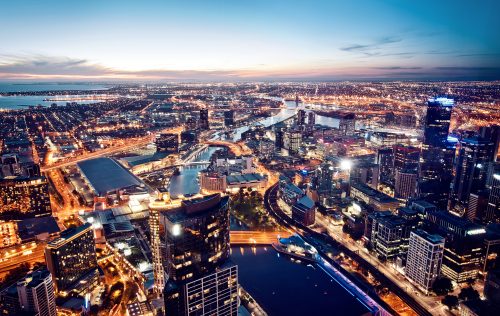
[{"x": 256, "y": 237}]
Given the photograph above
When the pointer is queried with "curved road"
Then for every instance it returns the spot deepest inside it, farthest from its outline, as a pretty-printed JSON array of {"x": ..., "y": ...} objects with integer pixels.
[{"x": 271, "y": 205}]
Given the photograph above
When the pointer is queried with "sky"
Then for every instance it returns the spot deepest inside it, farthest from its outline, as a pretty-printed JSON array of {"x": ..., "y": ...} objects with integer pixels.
[{"x": 247, "y": 40}]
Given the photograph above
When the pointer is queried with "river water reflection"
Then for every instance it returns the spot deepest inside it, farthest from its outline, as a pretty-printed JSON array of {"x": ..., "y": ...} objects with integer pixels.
[{"x": 284, "y": 287}]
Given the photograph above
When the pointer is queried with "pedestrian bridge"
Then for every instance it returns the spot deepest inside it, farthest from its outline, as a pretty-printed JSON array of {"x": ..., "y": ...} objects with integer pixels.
[{"x": 246, "y": 237}]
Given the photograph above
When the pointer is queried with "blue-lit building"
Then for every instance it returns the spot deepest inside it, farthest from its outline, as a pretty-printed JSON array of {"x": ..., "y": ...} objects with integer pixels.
[{"x": 437, "y": 153}]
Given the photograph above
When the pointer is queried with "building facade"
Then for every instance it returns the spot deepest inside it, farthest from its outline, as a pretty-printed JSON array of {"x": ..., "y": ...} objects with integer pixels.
[
  {"x": 72, "y": 261},
  {"x": 24, "y": 197},
  {"x": 423, "y": 263},
  {"x": 437, "y": 153}
]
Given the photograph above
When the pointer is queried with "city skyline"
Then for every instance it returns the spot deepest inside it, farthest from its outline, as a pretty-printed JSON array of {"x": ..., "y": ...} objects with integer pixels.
[
  {"x": 189, "y": 158},
  {"x": 324, "y": 40}
]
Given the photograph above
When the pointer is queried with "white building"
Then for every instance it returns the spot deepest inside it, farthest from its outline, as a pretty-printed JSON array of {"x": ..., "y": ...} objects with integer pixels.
[
  {"x": 36, "y": 293},
  {"x": 425, "y": 255}
]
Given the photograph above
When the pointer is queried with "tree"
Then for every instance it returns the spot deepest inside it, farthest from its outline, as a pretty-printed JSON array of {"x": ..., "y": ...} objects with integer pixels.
[
  {"x": 442, "y": 286},
  {"x": 15, "y": 274},
  {"x": 451, "y": 301},
  {"x": 468, "y": 294}
]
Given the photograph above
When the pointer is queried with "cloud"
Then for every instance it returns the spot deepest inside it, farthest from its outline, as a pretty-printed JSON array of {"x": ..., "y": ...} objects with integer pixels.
[
  {"x": 396, "y": 68},
  {"x": 38, "y": 67},
  {"x": 377, "y": 44},
  {"x": 45, "y": 65}
]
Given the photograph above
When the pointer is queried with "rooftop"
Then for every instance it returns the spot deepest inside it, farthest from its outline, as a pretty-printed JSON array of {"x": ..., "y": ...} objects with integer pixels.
[
  {"x": 193, "y": 207},
  {"x": 105, "y": 175},
  {"x": 31, "y": 227},
  {"x": 429, "y": 237},
  {"x": 244, "y": 178}
]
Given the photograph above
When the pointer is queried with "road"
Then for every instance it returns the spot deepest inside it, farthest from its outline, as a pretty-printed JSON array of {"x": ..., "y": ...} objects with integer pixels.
[
  {"x": 270, "y": 202},
  {"x": 130, "y": 144},
  {"x": 15, "y": 257},
  {"x": 256, "y": 237},
  {"x": 435, "y": 307}
]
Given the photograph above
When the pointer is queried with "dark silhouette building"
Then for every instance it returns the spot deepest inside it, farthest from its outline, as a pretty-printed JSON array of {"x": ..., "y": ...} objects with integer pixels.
[
  {"x": 229, "y": 118},
  {"x": 204, "y": 123},
  {"x": 437, "y": 153},
  {"x": 167, "y": 143},
  {"x": 471, "y": 169},
  {"x": 201, "y": 281}
]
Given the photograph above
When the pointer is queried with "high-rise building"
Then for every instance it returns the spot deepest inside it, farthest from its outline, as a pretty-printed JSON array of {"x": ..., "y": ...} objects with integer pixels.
[
  {"x": 311, "y": 118},
  {"x": 405, "y": 184},
  {"x": 197, "y": 249},
  {"x": 31, "y": 295},
  {"x": 385, "y": 161},
  {"x": 390, "y": 235},
  {"x": 292, "y": 141},
  {"x": 155, "y": 240},
  {"x": 36, "y": 293},
  {"x": 24, "y": 197},
  {"x": 492, "y": 133},
  {"x": 213, "y": 294},
  {"x": 464, "y": 251},
  {"x": 405, "y": 157},
  {"x": 471, "y": 169},
  {"x": 437, "y": 153},
  {"x": 477, "y": 205},
  {"x": 323, "y": 178},
  {"x": 72, "y": 261},
  {"x": 229, "y": 118},
  {"x": 204, "y": 123},
  {"x": 347, "y": 124},
  {"x": 366, "y": 173},
  {"x": 301, "y": 117},
  {"x": 278, "y": 140},
  {"x": 167, "y": 143},
  {"x": 425, "y": 254},
  {"x": 493, "y": 208}
]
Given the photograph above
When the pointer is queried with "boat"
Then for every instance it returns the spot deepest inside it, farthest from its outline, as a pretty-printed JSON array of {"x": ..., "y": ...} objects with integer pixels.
[{"x": 297, "y": 248}]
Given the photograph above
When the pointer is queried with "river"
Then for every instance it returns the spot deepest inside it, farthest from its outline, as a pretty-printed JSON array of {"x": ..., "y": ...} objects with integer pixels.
[
  {"x": 284, "y": 287},
  {"x": 290, "y": 110}
]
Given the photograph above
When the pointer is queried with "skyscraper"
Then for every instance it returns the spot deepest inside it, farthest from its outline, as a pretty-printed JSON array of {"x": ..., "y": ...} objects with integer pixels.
[
  {"x": 155, "y": 240},
  {"x": 493, "y": 208},
  {"x": 385, "y": 160},
  {"x": 405, "y": 157},
  {"x": 425, "y": 254},
  {"x": 36, "y": 293},
  {"x": 292, "y": 141},
  {"x": 311, "y": 118},
  {"x": 229, "y": 118},
  {"x": 471, "y": 169},
  {"x": 436, "y": 155},
  {"x": 204, "y": 123},
  {"x": 323, "y": 178},
  {"x": 278, "y": 140},
  {"x": 72, "y": 261},
  {"x": 301, "y": 117},
  {"x": 197, "y": 249}
]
